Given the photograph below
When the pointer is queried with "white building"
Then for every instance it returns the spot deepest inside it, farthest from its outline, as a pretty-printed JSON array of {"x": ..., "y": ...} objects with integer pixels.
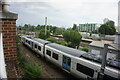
[{"x": 88, "y": 27}]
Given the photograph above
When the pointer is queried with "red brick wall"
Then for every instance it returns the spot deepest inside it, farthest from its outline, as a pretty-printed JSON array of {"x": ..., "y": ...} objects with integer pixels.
[{"x": 9, "y": 39}]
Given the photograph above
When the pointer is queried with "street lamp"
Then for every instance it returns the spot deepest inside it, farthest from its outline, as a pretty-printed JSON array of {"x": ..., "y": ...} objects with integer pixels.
[{"x": 45, "y": 25}]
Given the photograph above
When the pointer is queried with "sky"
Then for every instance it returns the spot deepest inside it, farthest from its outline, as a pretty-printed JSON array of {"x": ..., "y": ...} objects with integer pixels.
[{"x": 64, "y": 13}]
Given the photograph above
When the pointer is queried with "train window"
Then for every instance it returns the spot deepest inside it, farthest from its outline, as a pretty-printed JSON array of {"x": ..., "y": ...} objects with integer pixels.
[
  {"x": 48, "y": 52},
  {"x": 85, "y": 70},
  {"x": 64, "y": 59},
  {"x": 35, "y": 45},
  {"x": 39, "y": 47},
  {"x": 26, "y": 40},
  {"x": 69, "y": 61},
  {"x": 55, "y": 56}
]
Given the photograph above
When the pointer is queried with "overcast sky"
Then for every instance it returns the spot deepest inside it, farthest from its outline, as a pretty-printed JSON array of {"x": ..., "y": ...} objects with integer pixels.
[{"x": 64, "y": 13}]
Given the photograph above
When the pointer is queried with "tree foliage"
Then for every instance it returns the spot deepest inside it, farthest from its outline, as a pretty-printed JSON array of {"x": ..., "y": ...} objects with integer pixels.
[
  {"x": 74, "y": 27},
  {"x": 105, "y": 29},
  {"x": 50, "y": 28},
  {"x": 42, "y": 34},
  {"x": 111, "y": 24},
  {"x": 72, "y": 37},
  {"x": 108, "y": 28}
]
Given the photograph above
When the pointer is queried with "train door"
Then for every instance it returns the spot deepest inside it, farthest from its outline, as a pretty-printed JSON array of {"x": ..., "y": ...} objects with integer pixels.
[{"x": 66, "y": 62}]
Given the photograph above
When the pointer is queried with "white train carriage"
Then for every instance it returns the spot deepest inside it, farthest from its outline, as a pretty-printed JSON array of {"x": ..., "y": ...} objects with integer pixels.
[
  {"x": 38, "y": 45},
  {"x": 35, "y": 44},
  {"x": 65, "y": 57}
]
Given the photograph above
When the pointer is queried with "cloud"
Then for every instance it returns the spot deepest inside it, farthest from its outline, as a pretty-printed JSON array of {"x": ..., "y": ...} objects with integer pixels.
[{"x": 64, "y": 12}]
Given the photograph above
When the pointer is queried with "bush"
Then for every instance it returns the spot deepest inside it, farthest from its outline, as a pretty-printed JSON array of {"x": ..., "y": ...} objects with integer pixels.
[
  {"x": 52, "y": 40},
  {"x": 20, "y": 34},
  {"x": 32, "y": 70},
  {"x": 29, "y": 69},
  {"x": 27, "y": 34},
  {"x": 22, "y": 60},
  {"x": 62, "y": 43},
  {"x": 85, "y": 49}
]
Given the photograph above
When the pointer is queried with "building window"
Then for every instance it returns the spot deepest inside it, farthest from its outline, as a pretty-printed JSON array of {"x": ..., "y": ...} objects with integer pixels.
[
  {"x": 48, "y": 52},
  {"x": 55, "y": 56},
  {"x": 85, "y": 70},
  {"x": 39, "y": 48},
  {"x": 35, "y": 45}
]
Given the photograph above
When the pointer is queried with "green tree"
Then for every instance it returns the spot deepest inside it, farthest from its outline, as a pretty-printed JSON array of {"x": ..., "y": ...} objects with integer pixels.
[
  {"x": 108, "y": 28},
  {"x": 111, "y": 24},
  {"x": 105, "y": 29},
  {"x": 54, "y": 29},
  {"x": 74, "y": 27},
  {"x": 42, "y": 34},
  {"x": 73, "y": 38}
]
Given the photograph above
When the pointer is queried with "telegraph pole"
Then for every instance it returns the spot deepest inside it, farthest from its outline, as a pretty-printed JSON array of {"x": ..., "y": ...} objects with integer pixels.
[{"x": 45, "y": 25}]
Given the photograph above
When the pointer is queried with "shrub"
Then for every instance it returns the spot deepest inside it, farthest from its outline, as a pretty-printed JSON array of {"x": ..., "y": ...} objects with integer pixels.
[
  {"x": 32, "y": 70},
  {"x": 28, "y": 69},
  {"x": 52, "y": 40},
  {"x": 85, "y": 49},
  {"x": 22, "y": 60},
  {"x": 62, "y": 43}
]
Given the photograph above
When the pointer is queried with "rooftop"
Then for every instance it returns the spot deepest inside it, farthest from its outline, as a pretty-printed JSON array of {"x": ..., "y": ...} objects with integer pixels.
[{"x": 101, "y": 44}]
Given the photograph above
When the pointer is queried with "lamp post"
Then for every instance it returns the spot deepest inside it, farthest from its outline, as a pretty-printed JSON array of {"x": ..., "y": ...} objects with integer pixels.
[{"x": 45, "y": 26}]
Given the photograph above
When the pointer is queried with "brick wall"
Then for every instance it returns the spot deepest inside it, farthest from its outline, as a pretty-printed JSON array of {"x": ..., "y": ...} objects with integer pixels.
[{"x": 9, "y": 39}]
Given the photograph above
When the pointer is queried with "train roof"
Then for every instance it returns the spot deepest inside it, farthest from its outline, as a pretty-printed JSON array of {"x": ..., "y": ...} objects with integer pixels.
[
  {"x": 67, "y": 50},
  {"x": 40, "y": 40},
  {"x": 36, "y": 39},
  {"x": 26, "y": 36}
]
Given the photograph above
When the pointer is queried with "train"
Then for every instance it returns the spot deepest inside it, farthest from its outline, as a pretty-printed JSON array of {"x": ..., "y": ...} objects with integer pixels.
[{"x": 80, "y": 64}]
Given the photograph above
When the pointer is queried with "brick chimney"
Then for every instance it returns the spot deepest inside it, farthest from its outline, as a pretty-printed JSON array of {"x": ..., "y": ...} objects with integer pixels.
[{"x": 8, "y": 27}]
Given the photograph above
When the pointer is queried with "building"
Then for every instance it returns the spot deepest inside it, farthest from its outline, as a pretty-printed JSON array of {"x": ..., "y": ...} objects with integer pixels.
[
  {"x": 97, "y": 47},
  {"x": 88, "y": 27},
  {"x": 8, "y": 52}
]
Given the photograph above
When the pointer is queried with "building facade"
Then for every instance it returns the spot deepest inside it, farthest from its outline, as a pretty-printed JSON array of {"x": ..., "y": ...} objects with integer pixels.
[
  {"x": 97, "y": 47},
  {"x": 88, "y": 27},
  {"x": 8, "y": 48}
]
